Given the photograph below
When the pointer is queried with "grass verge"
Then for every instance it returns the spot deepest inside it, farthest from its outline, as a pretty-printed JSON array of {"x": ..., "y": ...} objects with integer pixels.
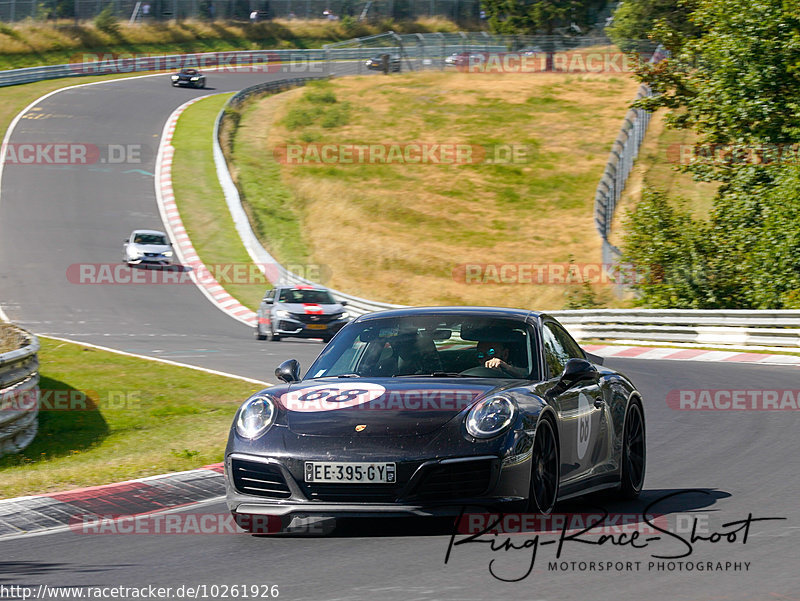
[
  {"x": 9, "y": 339},
  {"x": 399, "y": 232},
  {"x": 132, "y": 426},
  {"x": 32, "y": 43},
  {"x": 201, "y": 201}
]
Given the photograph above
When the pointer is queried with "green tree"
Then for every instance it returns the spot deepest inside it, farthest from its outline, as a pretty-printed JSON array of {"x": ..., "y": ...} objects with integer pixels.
[
  {"x": 634, "y": 20},
  {"x": 540, "y": 16},
  {"x": 737, "y": 85}
]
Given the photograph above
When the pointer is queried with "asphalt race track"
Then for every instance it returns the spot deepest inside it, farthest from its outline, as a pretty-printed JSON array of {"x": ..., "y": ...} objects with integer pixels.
[{"x": 733, "y": 464}]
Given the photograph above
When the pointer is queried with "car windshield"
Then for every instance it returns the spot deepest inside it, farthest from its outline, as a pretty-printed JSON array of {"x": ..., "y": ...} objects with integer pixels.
[
  {"x": 304, "y": 295},
  {"x": 150, "y": 239},
  {"x": 427, "y": 345},
  {"x": 189, "y": 71}
]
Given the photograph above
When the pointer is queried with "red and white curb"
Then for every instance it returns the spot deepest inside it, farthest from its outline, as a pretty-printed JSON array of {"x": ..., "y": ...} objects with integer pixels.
[
  {"x": 24, "y": 516},
  {"x": 688, "y": 354},
  {"x": 165, "y": 197}
]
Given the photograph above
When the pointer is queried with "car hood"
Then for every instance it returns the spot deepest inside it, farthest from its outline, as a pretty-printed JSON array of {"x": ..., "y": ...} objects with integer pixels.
[
  {"x": 380, "y": 406},
  {"x": 151, "y": 248},
  {"x": 310, "y": 308}
]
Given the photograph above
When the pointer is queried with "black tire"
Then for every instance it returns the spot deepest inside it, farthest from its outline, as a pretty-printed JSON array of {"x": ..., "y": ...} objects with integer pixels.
[
  {"x": 259, "y": 335},
  {"x": 272, "y": 336},
  {"x": 634, "y": 452},
  {"x": 545, "y": 469}
]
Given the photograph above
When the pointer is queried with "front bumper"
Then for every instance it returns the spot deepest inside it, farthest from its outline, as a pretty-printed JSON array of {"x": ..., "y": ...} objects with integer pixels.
[
  {"x": 158, "y": 260},
  {"x": 290, "y": 327},
  {"x": 506, "y": 484}
]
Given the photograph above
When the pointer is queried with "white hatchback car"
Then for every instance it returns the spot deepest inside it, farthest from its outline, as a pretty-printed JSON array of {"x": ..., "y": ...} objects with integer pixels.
[{"x": 147, "y": 246}]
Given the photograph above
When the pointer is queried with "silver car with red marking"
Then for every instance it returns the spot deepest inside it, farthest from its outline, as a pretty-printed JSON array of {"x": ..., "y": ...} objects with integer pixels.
[{"x": 301, "y": 312}]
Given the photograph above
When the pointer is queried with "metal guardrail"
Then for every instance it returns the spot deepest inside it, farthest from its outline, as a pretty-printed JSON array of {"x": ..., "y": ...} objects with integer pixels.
[
  {"x": 428, "y": 48},
  {"x": 700, "y": 326},
  {"x": 620, "y": 162},
  {"x": 19, "y": 379}
]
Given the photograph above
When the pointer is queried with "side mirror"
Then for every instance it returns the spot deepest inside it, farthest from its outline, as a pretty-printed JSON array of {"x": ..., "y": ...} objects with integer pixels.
[
  {"x": 343, "y": 303},
  {"x": 576, "y": 370},
  {"x": 288, "y": 371},
  {"x": 269, "y": 301}
]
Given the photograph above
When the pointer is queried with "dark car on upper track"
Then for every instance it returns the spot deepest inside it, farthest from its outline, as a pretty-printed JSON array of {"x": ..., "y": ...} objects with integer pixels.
[
  {"x": 422, "y": 411},
  {"x": 376, "y": 63},
  {"x": 189, "y": 78},
  {"x": 300, "y": 312}
]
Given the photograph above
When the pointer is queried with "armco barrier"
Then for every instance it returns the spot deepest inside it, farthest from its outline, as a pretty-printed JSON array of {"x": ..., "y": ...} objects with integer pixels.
[
  {"x": 420, "y": 50},
  {"x": 778, "y": 329},
  {"x": 19, "y": 375}
]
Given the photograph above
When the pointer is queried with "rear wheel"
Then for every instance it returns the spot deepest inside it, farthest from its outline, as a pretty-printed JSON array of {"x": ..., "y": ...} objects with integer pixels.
[
  {"x": 633, "y": 453},
  {"x": 545, "y": 469}
]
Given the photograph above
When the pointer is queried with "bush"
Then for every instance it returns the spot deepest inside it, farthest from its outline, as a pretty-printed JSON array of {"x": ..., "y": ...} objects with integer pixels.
[
  {"x": 668, "y": 252},
  {"x": 336, "y": 116},
  {"x": 106, "y": 21}
]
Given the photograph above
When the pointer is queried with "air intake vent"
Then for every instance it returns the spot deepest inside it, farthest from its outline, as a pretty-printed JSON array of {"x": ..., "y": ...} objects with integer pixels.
[
  {"x": 262, "y": 479},
  {"x": 455, "y": 480}
]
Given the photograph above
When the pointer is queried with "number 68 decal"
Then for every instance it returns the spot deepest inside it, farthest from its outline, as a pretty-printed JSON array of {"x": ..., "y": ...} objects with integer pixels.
[{"x": 331, "y": 397}]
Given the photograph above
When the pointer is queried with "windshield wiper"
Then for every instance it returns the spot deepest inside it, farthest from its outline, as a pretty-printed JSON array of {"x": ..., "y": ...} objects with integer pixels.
[{"x": 435, "y": 374}]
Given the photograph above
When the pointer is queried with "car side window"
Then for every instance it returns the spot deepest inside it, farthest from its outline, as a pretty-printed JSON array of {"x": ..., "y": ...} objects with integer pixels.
[
  {"x": 572, "y": 349},
  {"x": 555, "y": 355}
]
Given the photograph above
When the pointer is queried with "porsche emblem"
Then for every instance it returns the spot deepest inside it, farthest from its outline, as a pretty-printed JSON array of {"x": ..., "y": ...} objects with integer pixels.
[{"x": 361, "y": 427}]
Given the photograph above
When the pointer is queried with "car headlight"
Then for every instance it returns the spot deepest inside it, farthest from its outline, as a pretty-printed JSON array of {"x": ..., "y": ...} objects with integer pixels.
[
  {"x": 342, "y": 315},
  {"x": 256, "y": 416},
  {"x": 491, "y": 416},
  {"x": 195, "y": 78},
  {"x": 174, "y": 78},
  {"x": 167, "y": 253},
  {"x": 135, "y": 252},
  {"x": 282, "y": 313}
]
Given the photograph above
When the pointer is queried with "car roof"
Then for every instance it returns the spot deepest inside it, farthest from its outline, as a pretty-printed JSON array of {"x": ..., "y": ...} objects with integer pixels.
[
  {"x": 506, "y": 312},
  {"x": 148, "y": 232}
]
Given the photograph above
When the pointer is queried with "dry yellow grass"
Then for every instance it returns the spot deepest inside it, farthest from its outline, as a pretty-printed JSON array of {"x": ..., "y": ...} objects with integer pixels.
[
  {"x": 397, "y": 232},
  {"x": 10, "y": 339}
]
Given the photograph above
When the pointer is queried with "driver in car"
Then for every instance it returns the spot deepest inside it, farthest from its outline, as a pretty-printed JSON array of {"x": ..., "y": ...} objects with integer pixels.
[{"x": 494, "y": 355}]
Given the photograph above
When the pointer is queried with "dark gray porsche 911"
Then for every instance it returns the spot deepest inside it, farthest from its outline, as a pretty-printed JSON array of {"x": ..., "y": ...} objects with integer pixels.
[{"x": 423, "y": 411}]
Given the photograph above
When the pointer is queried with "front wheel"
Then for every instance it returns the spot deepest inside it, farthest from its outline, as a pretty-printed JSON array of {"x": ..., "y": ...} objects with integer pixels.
[
  {"x": 272, "y": 336},
  {"x": 545, "y": 469},
  {"x": 634, "y": 453}
]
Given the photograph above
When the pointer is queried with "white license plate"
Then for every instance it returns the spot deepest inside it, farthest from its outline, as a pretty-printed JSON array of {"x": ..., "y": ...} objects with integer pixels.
[{"x": 350, "y": 472}]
